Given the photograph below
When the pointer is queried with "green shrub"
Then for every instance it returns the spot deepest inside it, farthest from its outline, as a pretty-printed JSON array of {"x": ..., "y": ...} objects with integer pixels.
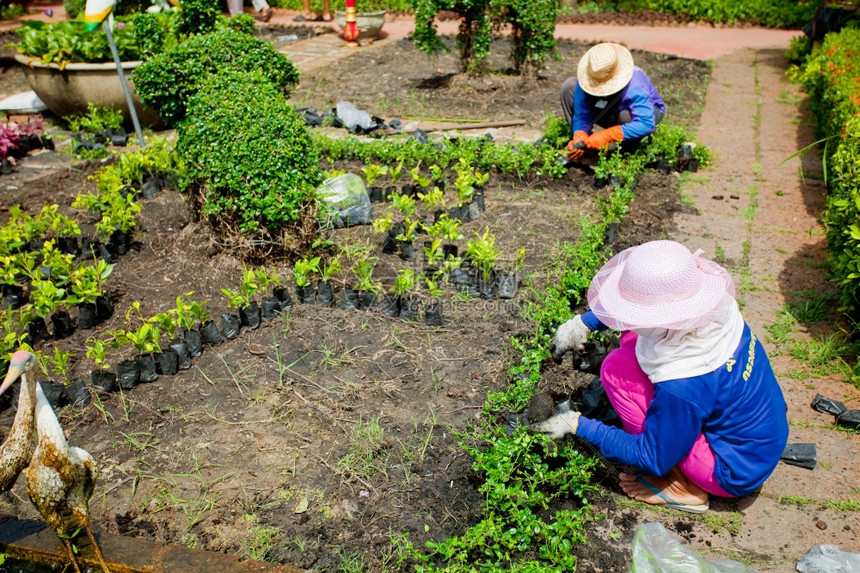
[
  {"x": 168, "y": 80},
  {"x": 842, "y": 217},
  {"x": 361, "y": 5},
  {"x": 798, "y": 48},
  {"x": 473, "y": 37},
  {"x": 197, "y": 16},
  {"x": 74, "y": 7},
  {"x": 831, "y": 75},
  {"x": 248, "y": 158},
  {"x": 556, "y": 131},
  {"x": 770, "y": 13},
  {"x": 153, "y": 32},
  {"x": 532, "y": 25},
  {"x": 242, "y": 22},
  {"x": 11, "y": 11},
  {"x": 97, "y": 119}
]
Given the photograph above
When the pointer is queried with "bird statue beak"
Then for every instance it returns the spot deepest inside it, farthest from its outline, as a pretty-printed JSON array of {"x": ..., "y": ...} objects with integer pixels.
[{"x": 15, "y": 371}]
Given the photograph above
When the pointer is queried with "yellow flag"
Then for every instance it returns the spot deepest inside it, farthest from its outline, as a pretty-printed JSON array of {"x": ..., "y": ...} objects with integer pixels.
[{"x": 95, "y": 13}]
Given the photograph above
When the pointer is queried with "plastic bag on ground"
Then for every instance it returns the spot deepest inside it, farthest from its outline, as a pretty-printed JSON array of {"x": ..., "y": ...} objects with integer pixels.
[
  {"x": 655, "y": 550},
  {"x": 355, "y": 120},
  {"x": 828, "y": 559},
  {"x": 26, "y": 102},
  {"x": 347, "y": 200},
  {"x": 802, "y": 455}
]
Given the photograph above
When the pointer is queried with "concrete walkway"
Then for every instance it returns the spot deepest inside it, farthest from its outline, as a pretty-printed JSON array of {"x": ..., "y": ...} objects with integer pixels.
[{"x": 758, "y": 210}]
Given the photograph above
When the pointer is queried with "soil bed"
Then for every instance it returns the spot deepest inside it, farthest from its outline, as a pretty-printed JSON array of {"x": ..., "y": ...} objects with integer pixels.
[{"x": 245, "y": 451}]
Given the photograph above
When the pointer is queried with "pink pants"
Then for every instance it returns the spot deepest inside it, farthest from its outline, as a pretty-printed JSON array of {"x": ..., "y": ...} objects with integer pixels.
[{"x": 630, "y": 391}]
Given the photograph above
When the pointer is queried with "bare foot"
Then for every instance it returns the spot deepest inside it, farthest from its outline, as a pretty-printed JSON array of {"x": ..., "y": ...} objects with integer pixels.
[{"x": 674, "y": 485}]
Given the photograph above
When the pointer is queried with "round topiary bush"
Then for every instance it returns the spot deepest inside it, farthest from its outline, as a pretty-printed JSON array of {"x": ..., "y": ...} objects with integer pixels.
[
  {"x": 249, "y": 163},
  {"x": 166, "y": 81}
]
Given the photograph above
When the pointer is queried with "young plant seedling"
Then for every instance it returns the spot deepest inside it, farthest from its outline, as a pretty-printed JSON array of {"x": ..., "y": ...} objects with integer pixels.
[
  {"x": 304, "y": 268},
  {"x": 484, "y": 252},
  {"x": 433, "y": 252},
  {"x": 330, "y": 269},
  {"x": 432, "y": 200},
  {"x": 373, "y": 172},
  {"x": 405, "y": 204}
]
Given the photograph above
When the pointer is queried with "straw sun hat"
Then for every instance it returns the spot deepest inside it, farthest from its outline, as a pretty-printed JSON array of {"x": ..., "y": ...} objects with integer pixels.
[
  {"x": 660, "y": 284},
  {"x": 605, "y": 69}
]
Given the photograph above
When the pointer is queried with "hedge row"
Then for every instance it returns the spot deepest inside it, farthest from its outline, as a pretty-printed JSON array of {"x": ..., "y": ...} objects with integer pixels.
[
  {"x": 770, "y": 13},
  {"x": 831, "y": 75}
]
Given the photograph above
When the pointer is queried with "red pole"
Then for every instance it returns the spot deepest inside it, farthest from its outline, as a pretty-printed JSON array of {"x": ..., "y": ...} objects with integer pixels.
[{"x": 350, "y": 29}]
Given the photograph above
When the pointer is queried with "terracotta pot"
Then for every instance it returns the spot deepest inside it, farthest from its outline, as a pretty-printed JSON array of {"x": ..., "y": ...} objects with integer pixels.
[
  {"x": 369, "y": 23},
  {"x": 68, "y": 91}
]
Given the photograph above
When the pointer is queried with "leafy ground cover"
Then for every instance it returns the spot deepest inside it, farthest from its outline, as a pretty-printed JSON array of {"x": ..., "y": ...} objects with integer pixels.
[{"x": 331, "y": 438}]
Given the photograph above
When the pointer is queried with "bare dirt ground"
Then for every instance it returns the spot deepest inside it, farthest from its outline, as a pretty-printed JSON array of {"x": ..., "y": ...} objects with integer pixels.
[{"x": 245, "y": 451}]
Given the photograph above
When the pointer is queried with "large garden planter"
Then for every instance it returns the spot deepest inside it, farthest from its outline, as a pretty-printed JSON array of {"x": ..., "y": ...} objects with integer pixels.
[
  {"x": 68, "y": 91},
  {"x": 369, "y": 24}
]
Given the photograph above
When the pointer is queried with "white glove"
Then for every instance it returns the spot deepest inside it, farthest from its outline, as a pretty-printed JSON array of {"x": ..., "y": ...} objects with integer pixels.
[
  {"x": 558, "y": 426},
  {"x": 570, "y": 336}
]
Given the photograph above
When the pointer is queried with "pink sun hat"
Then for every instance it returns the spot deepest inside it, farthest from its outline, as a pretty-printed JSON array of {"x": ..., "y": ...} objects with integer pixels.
[{"x": 660, "y": 284}]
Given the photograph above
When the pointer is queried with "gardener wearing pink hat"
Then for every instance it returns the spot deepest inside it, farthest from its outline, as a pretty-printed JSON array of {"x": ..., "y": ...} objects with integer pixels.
[
  {"x": 701, "y": 407},
  {"x": 610, "y": 92}
]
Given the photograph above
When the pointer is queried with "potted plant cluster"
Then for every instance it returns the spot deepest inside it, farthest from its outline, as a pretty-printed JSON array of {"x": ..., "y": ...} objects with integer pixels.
[
  {"x": 42, "y": 277},
  {"x": 17, "y": 140},
  {"x": 70, "y": 68}
]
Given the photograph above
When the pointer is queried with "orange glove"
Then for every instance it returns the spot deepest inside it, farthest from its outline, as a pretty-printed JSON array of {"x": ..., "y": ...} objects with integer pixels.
[
  {"x": 605, "y": 137},
  {"x": 573, "y": 151}
]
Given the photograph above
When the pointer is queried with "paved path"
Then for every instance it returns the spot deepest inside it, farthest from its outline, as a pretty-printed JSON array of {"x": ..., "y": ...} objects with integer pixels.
[{"x": 764, "y": 216}]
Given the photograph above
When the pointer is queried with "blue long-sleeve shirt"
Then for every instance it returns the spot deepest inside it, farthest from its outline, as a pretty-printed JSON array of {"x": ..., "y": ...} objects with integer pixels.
[
  {"x": 640, "y": 98},
  {"x": 739, "y": 407}
]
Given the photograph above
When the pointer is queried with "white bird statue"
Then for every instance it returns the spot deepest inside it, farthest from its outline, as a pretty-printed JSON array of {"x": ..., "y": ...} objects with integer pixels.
[
  {"x": 15, "y": 451},
  {"x": 60, "y": 478}
]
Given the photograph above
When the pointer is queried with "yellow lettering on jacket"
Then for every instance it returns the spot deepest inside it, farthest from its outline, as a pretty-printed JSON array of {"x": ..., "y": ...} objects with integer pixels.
[{"x": 751, "y": 359}]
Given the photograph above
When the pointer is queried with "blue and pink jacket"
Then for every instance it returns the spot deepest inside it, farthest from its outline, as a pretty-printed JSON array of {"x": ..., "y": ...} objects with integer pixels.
[{"x": 739, "y": 408}]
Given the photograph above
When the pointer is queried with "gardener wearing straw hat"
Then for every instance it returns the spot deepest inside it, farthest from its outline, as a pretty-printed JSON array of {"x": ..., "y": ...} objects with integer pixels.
[
  {"x": 702, "y": 410},
  {"x": 610, "y": 92}
]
